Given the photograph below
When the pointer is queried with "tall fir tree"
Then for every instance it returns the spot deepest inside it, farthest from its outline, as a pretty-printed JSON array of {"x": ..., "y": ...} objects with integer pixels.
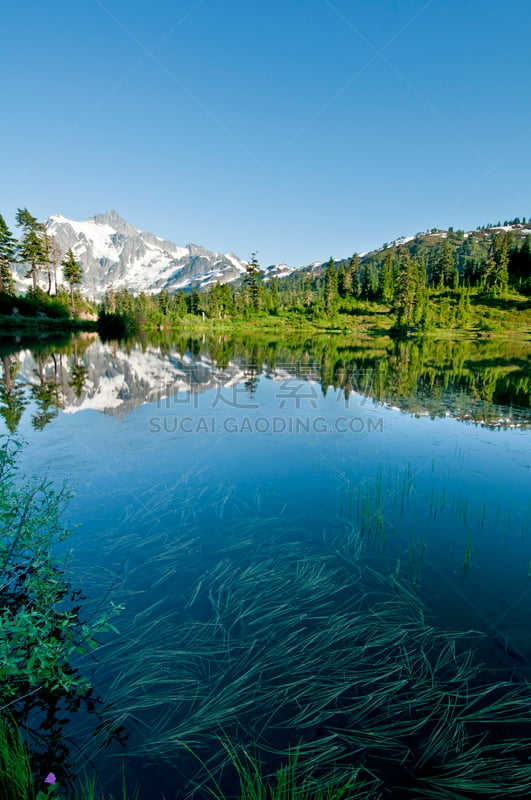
[
  {"x": 410, "y": 294},
  {"x": 369, "y": 282},
  {"x": 355, "y": 278},
  {"x": 273, "y": 299},
  {"x": 252, "y": 280},
  {"x": 55, "y": 262},
  {"x": 181, "y": 309},
  {"x": 32, "y": 246},
  {"x": 331, "y": 296},
  {"x": 448, "y": 275},
  {"x": 386, "y": 284},
  {"x": 344, "y": 280},
  {"x": 496, "y": 273},
  {"x": 7, "y": 257},
  {"x": 307, "y": 296},
  {"x": 72, "y": 274}
]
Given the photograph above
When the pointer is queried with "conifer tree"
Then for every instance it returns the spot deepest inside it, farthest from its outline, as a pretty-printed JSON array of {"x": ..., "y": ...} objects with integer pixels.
[
  {"x": 369, "y": 282},
  {"x": 109, "y": 301},
  {"x": 448, "y": 272},
  {"x": 54, "y": 253},
  {"x": 32, "y": 247},
  {"x": 344, "y": 281},
  {"x": 355, "y": 280},
  {"x": 387, "y": 279},
  {"x": 444, "y": 272},
  {"x": 496, "y": 274},
  {"x": 181, "y": 309},
  {"x": 164, "y": 302},
  {"x": 273, "y": 295},
  {"x": 330, "y": 288},
  {"x": 48, "y": 245},
  {"x": 308, "y": 293},
  {"x": 7, "y": 257},
  {"x": 252, "y": 279},
  {"x": 72, "y": 274},
  {"x": 195, "y": 302},
  {"x": 410, "y": 295}
]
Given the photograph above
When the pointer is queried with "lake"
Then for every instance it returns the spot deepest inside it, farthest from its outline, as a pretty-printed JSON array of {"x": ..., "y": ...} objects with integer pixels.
[{"x": 321, "y": 545}]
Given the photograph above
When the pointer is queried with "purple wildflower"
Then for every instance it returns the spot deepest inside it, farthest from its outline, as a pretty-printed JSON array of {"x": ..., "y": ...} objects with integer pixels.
[{"x": 50, "y": 778}]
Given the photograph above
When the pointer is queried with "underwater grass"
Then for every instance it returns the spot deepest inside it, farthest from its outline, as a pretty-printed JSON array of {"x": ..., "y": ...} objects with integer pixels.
[
  {"x": 287, "y": 783},
  {"x": 279, "y": 643}
]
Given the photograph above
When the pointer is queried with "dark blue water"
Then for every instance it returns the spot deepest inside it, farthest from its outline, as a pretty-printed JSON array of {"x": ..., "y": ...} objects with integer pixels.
[{"x": 230, "y": 512}]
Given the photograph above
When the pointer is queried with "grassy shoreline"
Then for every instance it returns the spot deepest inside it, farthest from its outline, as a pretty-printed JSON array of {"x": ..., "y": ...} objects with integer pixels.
[
  {"x": 484, "y": 318},
  {"x": 11, "y": 324}
]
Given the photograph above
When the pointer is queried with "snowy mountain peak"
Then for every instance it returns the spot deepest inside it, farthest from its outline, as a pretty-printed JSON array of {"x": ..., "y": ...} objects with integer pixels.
[
  {"x": 115, "y": 254},
  {"x": 114, "y": 220}
]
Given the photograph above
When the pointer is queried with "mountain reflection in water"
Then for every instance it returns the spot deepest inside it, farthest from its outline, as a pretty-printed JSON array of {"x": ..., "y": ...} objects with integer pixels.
[{"x": 485, "y": 382}]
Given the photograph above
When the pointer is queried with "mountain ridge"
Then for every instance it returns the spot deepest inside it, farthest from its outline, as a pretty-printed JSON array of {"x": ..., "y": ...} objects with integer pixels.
[
  {"x": 115, "y": 254},
  {"x": 112, "y": 252}
]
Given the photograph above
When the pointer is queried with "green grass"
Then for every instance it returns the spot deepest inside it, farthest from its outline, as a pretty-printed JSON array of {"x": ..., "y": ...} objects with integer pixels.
[
  {"x": 15, "y": 773},
  {"x": 29, "y": 325},
  {"x": 485, "y": 316},
  {"x": 288, "y": 782}
]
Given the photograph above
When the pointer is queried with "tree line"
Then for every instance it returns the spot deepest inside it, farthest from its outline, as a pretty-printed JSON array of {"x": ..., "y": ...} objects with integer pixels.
[
  {"x": 422, "y": 285},
  {"x": 39, "y": 251},
  {"x": 411, "y": 280}
]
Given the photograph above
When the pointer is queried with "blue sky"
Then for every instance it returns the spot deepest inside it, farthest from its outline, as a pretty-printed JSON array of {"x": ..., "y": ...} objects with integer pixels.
[{"x": 299, "y": 129}]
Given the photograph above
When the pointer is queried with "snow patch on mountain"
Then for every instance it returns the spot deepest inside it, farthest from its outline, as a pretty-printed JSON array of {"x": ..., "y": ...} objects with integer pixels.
[{"x": 114, "y": 253}]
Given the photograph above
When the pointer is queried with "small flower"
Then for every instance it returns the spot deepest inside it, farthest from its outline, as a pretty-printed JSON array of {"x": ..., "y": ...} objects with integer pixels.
[{"x": 50, "y": 778}]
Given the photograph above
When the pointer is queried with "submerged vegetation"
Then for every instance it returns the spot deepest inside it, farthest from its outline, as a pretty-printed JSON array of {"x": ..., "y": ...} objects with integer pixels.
[
  {"x": 276, "y": 645},
  {"x": 43, "y": 631},
  {"x": 257, "y": 659}
]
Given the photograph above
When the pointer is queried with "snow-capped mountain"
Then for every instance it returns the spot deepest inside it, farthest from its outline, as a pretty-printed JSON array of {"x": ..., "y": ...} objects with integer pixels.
[{"x": 114, "y": 253}]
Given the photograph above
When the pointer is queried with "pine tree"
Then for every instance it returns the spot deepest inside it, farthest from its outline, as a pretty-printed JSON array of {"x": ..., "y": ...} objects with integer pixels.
[
  {"x": 355, "y": 280},
  {"x": 448, "y": 272},
  {"x": 443, "y": 270},
  {"x": 369, "y": 282},
  {"x": 72, "y": 274},
  {"x": 195, "y": 302},
  {"x": 344, "y": 280},
  {"x": 48, "y": 259},
  {"x": 331, "y": 296},
  {"x": 252, "y": 280},
  {"x": 273, "y": 295},
  {"x": 32, "y": 247},
  {"x": 109, "y": 301},
  {"x": 496, "y": 274},
  {"x": 387, "y": 279},
  {"x": 55, "y": 263},
  {"x": 307, "y": 297},
  {"x": 410, "y": 300},
  {"x": 163, "y": 301},
  {"x": 181, "y": 309},
  {"x": 7, "y": 257}
]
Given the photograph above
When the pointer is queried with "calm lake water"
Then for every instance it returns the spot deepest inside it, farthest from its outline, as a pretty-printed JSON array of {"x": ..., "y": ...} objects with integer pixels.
[{"x": 301, "y": 533}]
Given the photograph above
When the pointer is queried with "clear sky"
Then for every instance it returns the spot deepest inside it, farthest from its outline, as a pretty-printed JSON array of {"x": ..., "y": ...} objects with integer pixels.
[{"x": 301, "y": 129}]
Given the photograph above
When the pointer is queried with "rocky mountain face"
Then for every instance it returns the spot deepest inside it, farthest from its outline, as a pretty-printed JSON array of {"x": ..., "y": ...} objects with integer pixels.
[{"x": 114, "y": 253}]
